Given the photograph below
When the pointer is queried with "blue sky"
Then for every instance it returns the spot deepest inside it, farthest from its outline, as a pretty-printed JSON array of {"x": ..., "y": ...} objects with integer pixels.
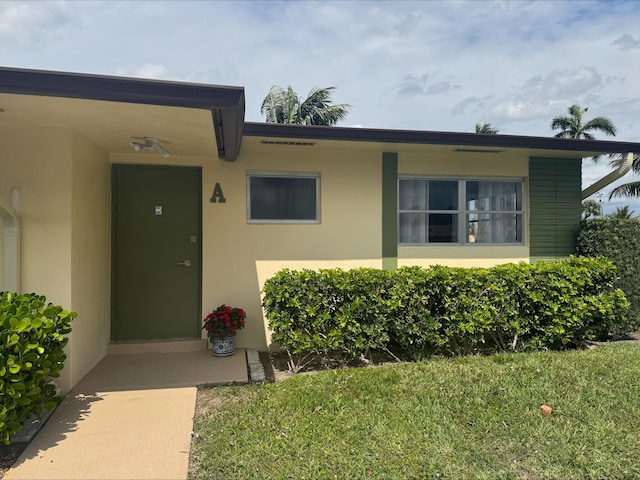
[{"x": 422, "y": 65}]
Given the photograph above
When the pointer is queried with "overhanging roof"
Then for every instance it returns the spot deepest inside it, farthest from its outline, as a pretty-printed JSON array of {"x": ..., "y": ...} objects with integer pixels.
[
  {"x": 226, "y": 104},
  {"x": 545, "y": 146},
  {"x": 226, "y": 107}
]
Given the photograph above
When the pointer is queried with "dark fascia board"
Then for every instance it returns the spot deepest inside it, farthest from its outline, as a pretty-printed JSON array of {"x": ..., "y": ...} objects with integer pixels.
[
  {"x": 417, "y": 137},
  {"x": 225, "y": 103}
]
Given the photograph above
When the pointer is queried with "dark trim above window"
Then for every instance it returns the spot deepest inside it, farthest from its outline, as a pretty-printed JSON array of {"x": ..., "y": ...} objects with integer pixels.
[{"x": 565, "y": 147}]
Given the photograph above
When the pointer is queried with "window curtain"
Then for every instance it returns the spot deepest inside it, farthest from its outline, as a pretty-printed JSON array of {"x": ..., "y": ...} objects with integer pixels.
[
  {"x": 413, "y": 196},
  {"x": 494, "y": 197}
]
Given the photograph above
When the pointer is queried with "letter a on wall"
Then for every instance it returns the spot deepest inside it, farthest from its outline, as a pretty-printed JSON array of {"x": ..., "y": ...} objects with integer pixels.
[{"x": 217, "y": 196}]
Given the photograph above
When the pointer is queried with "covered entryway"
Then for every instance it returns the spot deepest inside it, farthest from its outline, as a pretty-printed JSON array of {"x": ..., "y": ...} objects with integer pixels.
[{"x": 156, "y": 251}]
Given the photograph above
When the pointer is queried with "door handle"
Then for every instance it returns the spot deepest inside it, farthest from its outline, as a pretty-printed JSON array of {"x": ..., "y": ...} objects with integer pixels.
[{"x": 186, "y": 263}]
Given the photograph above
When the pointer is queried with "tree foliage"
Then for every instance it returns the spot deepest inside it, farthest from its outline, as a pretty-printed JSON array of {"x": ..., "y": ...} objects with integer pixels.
[
  {"x": 32, "y": 340},
  {"x": 591, "y": 208},
  {"x": 285, "y": 106},
  {"x": 572, "y": 125},
  {"x": 486, "y": 128},
  {"x": 630, "y": 189},
  {"x": 619, "y": 240},
  {"x": 622, "y": 212}
]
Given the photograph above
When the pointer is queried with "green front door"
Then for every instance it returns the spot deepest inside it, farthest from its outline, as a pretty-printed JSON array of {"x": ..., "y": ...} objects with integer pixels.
[{"x": 156, "y": 252}]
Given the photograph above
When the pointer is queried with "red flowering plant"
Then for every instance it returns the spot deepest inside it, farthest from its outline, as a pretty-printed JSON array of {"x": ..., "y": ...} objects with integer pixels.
[{"x": 224, "y": 322}]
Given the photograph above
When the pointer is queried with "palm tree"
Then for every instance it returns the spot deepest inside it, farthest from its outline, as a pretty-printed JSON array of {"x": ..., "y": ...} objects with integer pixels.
[
  {"x": 591, "y": 208},
  {"x": 622, "y": 212},
  {"x": 486, "y": 128},
  {"x": 572, "y": 127},
  {"x": 631, "y": 189},
  {"x": 285, "y": 106}
]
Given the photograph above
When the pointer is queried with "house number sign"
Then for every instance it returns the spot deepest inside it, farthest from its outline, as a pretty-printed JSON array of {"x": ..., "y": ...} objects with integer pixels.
[{"x": 217, "y": 196}]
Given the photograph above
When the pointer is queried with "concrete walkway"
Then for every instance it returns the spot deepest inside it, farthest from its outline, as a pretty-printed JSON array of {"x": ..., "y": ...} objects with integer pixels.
[{"x": 131, "y": 417}]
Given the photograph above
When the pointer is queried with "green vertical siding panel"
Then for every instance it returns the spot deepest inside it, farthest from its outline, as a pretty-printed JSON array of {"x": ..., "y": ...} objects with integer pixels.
[
  {"x": 554, "y": 206},
  {"x": 389, "y": 210}
]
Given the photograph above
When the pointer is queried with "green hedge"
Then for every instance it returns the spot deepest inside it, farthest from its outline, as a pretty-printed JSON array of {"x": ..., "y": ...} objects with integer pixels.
[
  {"x": 31, "y": 353},
  {"x": 618, "y": 239},
  {"x": 419, "y": 312}
]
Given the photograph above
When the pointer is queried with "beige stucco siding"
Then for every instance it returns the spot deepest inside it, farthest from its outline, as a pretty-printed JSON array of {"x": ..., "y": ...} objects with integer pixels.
[
  {"x": 37, "y": 162},
  {"x": 64, "y": 191},
  {"x": 464, "y": 165},
  {"x": 90, "y": 255},
  {"x": 238, "y": 259},
  {"x": 238, "y": 256}
]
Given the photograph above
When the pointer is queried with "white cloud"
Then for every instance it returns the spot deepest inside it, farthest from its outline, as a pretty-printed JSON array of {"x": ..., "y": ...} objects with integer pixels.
[
  {"x": 147, "y": 70},
  {"x": 437, "y": 65},
  {"x": 28, "y": 25},
  {"x": 412, "y": 85},
  {"x": 627, "y": 42},
  {"x": 543, "y": 96}
]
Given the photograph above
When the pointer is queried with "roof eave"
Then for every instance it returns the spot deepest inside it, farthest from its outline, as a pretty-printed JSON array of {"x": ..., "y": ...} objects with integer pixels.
[
  {"x": 226, "y": 104},
  {"x": 589, "y": 147}
]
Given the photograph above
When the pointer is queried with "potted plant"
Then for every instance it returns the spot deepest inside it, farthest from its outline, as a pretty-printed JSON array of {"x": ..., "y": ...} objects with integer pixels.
[{"x": 221, "y": 326}]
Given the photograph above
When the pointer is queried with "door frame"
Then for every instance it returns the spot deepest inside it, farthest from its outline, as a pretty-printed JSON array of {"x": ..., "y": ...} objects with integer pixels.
[{"x": 114, "y": 201}]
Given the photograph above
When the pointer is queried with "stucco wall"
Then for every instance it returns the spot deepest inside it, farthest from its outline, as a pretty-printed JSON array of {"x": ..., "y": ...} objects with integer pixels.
[
  {"x": 90, "y": 255},
  {"x": 37, "y": 162},
  {"x": 238, "y": 257},
  {"x": 348, "y": 235},
  {"x": 463, "y": 165}
]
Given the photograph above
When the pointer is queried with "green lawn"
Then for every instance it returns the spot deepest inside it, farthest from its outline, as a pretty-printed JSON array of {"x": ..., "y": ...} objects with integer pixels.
[{"x": 465, "y": 418}]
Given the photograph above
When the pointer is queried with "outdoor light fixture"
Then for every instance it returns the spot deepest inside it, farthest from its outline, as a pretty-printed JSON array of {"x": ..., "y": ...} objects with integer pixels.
[
  {"x": 163, "y": 153},
  {"x": 149, "y": 144}
]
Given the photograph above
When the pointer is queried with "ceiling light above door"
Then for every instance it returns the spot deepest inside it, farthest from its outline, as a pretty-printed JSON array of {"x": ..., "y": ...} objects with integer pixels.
[{"x": 149, "y": 144}]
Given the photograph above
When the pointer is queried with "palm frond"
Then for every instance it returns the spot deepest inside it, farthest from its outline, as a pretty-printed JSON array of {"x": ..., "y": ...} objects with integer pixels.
[
  {"x": 617, "y": 159},
  {"x": 271, "y": 104},
  {"x": 486, "y": 128},
  {"x": 631, "y": 189},
  {"x": 600, "y": 124},
  {"x": 566, "y": 126},
  {"x": 285, "y": 106}
]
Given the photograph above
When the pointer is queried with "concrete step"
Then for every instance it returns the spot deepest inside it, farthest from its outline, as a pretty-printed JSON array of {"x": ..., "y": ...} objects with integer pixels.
[{"x": 153, "y": 346}]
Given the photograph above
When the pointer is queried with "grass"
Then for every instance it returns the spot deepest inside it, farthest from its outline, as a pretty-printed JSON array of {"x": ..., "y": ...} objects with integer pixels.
[{"x": 464, "y": 418}]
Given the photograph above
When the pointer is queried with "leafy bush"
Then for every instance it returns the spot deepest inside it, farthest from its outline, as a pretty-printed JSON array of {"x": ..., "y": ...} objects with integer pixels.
[
  {"x": 31, "y": 353},
  {"x": 618, "y": 239},
  {"x": 319, "y": 312},
  {"x": 419, "y": 312}
]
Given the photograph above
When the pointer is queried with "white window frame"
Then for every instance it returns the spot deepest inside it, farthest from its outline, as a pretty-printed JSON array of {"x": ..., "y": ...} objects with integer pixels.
[
  {"x": 462, "y": 212},
  {"x": 307, "y": 175}
]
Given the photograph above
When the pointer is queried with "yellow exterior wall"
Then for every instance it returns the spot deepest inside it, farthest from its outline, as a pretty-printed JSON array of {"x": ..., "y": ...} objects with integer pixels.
[
  {"x": 348, "y": 235},
  {"x": 238, "y": 257},
  {"x": 37, "y": 162},
  {"x": 91, "y": 255},
  {"x": 65, "y": 187},
  {"x": 463, "y": 165}
]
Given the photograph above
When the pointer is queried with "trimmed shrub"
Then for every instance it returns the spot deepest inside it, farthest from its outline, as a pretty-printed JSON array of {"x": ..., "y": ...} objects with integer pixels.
[
  {"x": 31, "y": 353},
  {"x": 454, "y": 311},
  {"x": 618, "y": 239},
  {"x": 574, "y": 300},
  {"x": 325, "y": 311}
]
